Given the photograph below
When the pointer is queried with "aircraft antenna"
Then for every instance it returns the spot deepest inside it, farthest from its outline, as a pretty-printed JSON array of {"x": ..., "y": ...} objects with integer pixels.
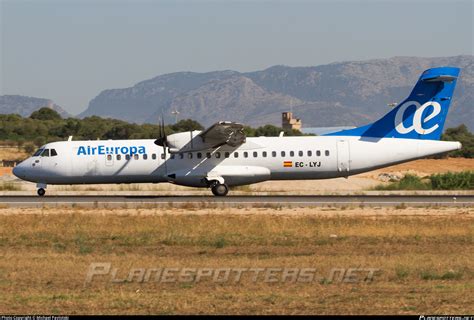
[{"x": 175, "y": 112}]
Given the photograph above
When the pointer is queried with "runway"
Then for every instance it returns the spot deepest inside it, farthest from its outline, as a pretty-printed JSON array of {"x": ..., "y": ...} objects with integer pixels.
[{"x": 273, "y": 201}]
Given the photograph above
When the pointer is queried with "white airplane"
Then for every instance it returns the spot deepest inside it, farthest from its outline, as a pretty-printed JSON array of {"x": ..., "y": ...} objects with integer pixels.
[{"x": 222, "y": 156}]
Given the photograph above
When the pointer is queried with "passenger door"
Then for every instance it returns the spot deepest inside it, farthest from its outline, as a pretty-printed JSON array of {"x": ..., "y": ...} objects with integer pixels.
[{"x": 343, "y": 156}]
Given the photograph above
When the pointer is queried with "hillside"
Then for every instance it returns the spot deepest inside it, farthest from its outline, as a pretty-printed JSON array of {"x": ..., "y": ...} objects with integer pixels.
[
  {"x": 343, "y": 93},
  {"x": 24, "y": 106}
]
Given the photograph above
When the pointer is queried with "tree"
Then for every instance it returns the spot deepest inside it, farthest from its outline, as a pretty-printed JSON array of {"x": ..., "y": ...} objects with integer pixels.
[
  {"x": 268, "y": 131},
  {"x": 186, "y": 125},
  {"x": 45, "y": 113},
  {"x": 29, "y": 147},
  {"x": 121, "y": 131},
  {"x": 249, "y": 131},
  {"x": 39, "y": 141},
  {"x": 461, "y": 134},
  {"x": 295, "y": 132}
]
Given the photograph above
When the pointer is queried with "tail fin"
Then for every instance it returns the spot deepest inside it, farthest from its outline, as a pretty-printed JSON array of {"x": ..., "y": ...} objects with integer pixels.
[{"x": 421, "y": 115}]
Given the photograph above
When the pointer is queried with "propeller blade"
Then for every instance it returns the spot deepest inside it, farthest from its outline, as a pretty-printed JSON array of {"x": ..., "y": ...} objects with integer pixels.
[{"x": 163, "y": 141}]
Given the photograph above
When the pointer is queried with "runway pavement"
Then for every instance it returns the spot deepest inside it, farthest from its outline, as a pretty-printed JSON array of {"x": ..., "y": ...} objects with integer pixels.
[{"x": 238, "y": 201}]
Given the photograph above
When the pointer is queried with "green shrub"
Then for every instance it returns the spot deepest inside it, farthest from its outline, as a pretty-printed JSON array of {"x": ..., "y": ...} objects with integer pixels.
[
  {"x": 453, "y": 181},
  {"x": 408, "y": 182},
  {"x": 442, "y": 181}
]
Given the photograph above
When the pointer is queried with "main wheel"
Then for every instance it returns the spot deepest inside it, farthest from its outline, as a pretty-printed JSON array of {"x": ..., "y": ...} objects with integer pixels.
[
  {"x": 41, "y": 192},
  {"x": 220, "y": 190}
]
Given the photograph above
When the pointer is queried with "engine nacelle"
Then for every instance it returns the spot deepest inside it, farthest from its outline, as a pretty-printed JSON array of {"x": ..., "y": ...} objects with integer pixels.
[{"x": 183, "y": 141}]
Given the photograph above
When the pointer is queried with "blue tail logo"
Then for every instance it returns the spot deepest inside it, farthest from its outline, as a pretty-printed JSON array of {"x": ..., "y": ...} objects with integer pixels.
[
  {"x": 421, "y": 115},
  {"x": 418, "y": 118}
]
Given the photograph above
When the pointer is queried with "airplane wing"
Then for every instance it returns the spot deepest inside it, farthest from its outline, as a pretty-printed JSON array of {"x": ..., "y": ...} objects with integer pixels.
[{"x": 223, "y": 132}]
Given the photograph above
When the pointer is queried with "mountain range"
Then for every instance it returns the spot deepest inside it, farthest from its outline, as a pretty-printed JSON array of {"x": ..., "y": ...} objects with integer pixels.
[
  {"x": 348, "y": 93},
  {"x": 336, "y": 94}
]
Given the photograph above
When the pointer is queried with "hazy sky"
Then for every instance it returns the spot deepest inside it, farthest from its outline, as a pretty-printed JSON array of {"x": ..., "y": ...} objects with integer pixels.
[{"x": 70, "y": 50}]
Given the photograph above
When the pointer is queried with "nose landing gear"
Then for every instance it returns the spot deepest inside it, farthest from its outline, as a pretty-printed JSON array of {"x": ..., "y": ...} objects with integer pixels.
[{"x": 41, "y": 189}]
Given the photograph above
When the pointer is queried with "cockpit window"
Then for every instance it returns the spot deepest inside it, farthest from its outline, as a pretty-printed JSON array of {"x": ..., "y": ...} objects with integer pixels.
[
  {"x": 53, "y": 152},
  {"x": 45, "y": 153},
  {"x": 38, "y": 152}
]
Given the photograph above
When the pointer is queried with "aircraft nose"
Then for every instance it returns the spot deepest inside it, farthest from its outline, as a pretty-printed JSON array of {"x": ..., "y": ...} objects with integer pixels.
[{"x": 18, "y": 171}]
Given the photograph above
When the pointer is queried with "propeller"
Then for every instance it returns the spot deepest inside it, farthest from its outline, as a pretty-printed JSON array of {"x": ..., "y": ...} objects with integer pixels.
[{"x": 162, "y": 140}]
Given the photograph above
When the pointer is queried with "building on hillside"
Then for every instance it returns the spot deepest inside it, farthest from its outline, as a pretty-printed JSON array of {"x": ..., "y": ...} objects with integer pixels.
[{"x": 290, "y": 123}]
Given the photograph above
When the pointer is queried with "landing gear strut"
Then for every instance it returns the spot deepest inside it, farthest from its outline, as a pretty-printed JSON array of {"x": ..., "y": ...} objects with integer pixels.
[
  {"x": 220, "y": 189},
  {"x": 41, "y": 192}
]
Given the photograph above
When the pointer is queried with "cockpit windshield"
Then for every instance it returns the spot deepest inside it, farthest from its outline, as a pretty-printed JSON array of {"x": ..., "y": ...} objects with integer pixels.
[
  {"x": 38, "y": 152},
  {"x": 45, "y": 153}
]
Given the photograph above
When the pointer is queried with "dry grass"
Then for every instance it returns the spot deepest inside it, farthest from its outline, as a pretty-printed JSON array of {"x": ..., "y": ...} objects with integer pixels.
[
  {"x": 426, "y": 261},
  {"x": 10, "y": 186},
  {"x": 12, "y": 153}
]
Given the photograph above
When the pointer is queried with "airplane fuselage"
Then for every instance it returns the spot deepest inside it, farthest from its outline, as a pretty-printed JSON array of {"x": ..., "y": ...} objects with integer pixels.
[{"x": 258, "y": 159}]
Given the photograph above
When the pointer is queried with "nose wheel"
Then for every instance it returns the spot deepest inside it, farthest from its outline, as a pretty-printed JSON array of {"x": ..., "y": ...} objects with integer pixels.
[
  {"x": 41, "y": 192},
  {"x": 220, "y": 189}
]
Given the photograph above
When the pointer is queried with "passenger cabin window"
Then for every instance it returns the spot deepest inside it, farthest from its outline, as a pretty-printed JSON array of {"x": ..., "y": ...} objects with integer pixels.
[
  {"x": 227, "y": 154},
  {"x": 255, "y": 154},
  {"x": 264, "y": 154},
  {"x": 274, "y": 154},
  {"x": 218, "y": 154},
  {"x": 246, "y": 154},
  {"x": 181, "y": 156},
  {"x": 190, "y": 155},
  {"x": 236, "y": 154},
  {"x": 172, "y": 156},
  {"x": 53, "y": 153},
  {"x": 109, "y": 157},
  {"x": 153, "y": 156},
  {"x": 300, "y": 153},
  {"x": 119, "y": 157},
  {"x": 162, "y": 156},
  {"x": 310, "y": 153},
  {"x": 326, "y": 153},
  {"x": 208, "y": 155},
  {"x": 283, "y": 153},
  {"x": 318, "y": 153},
  {"x": 292, "y": 153},
  {"x": 145, "y": 156},
  {"x": 199, "y": 155},
  {"x": 45, "y": 153},
  {"x": 127, "y": 157},
  {"x": 135, "y": 156}
]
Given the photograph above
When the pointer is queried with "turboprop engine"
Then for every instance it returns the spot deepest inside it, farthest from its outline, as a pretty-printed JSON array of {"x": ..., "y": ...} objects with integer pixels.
[{"x": 184, "y": 141}]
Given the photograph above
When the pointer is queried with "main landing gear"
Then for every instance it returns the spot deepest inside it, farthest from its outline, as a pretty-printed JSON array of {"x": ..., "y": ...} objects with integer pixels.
[{"x": 219, "y": 189}]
